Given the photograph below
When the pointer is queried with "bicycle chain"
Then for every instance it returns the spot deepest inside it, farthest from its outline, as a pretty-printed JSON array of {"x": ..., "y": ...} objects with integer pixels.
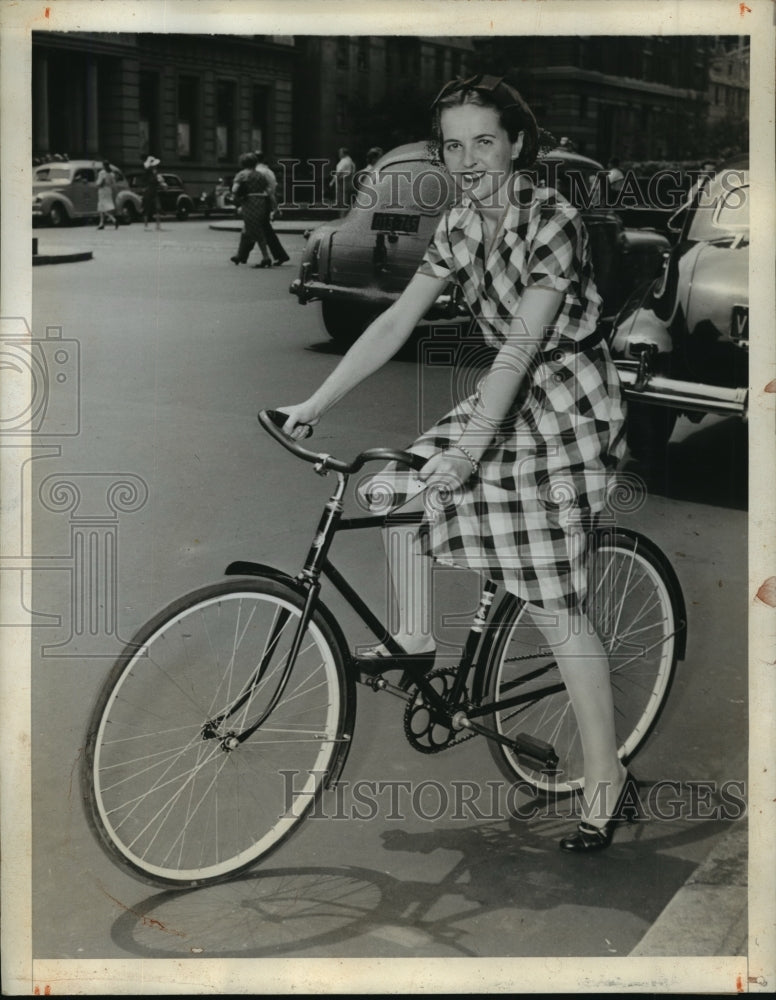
[{"x": 417, "y": 704}]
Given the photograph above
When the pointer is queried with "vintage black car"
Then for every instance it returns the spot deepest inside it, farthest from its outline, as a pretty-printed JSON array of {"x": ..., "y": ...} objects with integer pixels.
[
  {"x": 358, "y": 265},
  {"x": 173, "y": 196},
  {"x": 681, "y": 346}
]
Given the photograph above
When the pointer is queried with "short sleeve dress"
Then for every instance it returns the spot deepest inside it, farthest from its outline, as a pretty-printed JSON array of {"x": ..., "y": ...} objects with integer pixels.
[{"x": 548, "y": 467}]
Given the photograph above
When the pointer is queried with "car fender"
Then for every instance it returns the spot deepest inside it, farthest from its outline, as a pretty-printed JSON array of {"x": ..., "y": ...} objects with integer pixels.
[
  {"x": 641, "y": 328},
  {"x": 56, "y": 197}
]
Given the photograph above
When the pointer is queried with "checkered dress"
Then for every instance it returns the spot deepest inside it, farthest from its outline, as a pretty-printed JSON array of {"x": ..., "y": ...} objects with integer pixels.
[{"x": 547, "y": 468}]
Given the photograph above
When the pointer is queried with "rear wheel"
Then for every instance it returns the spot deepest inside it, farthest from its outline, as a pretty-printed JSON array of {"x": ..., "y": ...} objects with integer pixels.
[
  {"x": 186, "y": 779},
  {"x": 183, "y": 210},
  {"x": 129, "y": 213},
  {"x": 345, "y": 322},
  {"x": 648, "y": 430},
  {"x": 634, "y": 609}
]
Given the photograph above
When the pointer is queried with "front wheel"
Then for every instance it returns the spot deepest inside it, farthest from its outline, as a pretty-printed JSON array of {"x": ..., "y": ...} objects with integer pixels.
[
  {"x": 203, "y": 753},
  {"x": 57, "y": 215},
  {"x": 635, "y": 605}
]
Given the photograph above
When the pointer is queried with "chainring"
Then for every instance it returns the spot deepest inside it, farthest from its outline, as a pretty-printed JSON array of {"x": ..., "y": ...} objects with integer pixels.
[{"x": 429, "y": 730}]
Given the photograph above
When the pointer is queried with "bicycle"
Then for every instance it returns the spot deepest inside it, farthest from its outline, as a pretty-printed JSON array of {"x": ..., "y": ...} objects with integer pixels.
[{"x": 235, "y": 686}]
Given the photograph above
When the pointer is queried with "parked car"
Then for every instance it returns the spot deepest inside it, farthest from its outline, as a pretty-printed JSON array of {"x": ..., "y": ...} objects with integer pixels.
[
  {"x": 65, "y": 191},
  {"x": 218, "y": 200},
  {"x": 681, "y": 346},
  {"x": 358, "y": 265},
  {"x": 173, "y": 196}
]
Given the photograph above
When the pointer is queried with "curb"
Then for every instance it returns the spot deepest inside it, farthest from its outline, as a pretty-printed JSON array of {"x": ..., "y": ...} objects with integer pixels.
[
  {"x": 709, "y": 914},
  {"x": 61, "y": 258},
  {"x": 289, "y": 226}
]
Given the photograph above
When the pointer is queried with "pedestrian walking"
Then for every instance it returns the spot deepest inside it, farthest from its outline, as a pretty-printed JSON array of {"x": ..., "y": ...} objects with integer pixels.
[
  {"x": 152, "y": 184},
  {"x": 251, "y": 195},
  {"x": 372, "y": 156},
  {"x": 106, "y": 203},
  {"x": 342, "y": 180},
  {"x": 517, "y": 469},
  {"x": 274, "y": 245}
]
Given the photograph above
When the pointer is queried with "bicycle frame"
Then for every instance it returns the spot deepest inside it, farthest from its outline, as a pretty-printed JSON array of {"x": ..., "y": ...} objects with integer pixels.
[{"x": 317, "y": 565}]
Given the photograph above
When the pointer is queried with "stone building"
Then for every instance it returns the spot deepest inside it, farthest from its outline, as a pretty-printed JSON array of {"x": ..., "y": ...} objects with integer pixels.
[{"x": 194, "y": 101}]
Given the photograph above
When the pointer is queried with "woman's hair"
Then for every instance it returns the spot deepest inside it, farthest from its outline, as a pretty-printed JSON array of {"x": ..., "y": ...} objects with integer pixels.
[
  {"x": 490, "y": 92},
  {"x": 248, "y": 160}
]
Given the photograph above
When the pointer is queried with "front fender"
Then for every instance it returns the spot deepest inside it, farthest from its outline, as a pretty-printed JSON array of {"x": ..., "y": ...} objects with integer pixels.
[{"x": 244, "y": 568}]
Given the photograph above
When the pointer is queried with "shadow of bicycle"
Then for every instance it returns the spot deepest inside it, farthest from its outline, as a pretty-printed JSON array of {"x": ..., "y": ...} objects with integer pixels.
[{"x": 504, "y": 874}]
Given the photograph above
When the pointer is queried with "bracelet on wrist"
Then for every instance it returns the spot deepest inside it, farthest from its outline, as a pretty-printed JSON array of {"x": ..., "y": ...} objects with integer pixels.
[{"x": 467, "y": 454}]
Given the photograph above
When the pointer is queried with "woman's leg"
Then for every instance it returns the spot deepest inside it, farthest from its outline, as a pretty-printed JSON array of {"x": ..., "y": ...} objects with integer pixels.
[{"x": 584, "y": 667}]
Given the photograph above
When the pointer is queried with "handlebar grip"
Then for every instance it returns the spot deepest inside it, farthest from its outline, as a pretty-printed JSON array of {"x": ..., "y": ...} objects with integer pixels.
[{"x": 273, "y": 420}]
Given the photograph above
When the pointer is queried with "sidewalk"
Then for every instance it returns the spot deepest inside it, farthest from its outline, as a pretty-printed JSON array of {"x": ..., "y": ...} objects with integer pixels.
[{"x": 708, "y": 915}]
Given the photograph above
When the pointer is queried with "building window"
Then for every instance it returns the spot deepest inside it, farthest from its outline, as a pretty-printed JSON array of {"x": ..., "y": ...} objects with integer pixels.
[
  {"x": 439, "y": 64},
  {"x": 363, "y": 54},
  {"x": 148, "y": 118},
  {"x": 259, "y": 118},
  {"x": 341, "y": 113},
  {"x": 225, "y": 129},
  {"x": 343, "y": 52},
  {"x": 188, "y": 117}
]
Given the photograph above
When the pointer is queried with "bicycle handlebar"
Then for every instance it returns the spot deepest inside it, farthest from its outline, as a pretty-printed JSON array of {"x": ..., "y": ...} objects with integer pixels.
[{"x": 272, "y": 421}]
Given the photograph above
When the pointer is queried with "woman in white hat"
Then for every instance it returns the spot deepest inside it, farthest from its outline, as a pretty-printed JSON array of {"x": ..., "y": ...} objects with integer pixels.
[{"x": 153, "y": 181}]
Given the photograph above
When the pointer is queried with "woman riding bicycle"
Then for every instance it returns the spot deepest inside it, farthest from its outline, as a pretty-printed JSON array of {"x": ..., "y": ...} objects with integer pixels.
[{"x": 526, "y": 459}]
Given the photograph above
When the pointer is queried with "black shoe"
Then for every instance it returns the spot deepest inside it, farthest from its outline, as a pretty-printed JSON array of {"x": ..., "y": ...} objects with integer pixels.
[
  {"x": 115, "y": 223},
  {"x": 264, "y": 263},
  {"x": 100, "y": 227},
  {"x": 277, "y": 263},
  {"x": 235, "y": 260},
  {"x": 587, "y": 838}
]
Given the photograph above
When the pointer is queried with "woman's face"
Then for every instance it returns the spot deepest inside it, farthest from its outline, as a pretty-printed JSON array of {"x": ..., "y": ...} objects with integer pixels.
[{"x": 477, "y": 151}]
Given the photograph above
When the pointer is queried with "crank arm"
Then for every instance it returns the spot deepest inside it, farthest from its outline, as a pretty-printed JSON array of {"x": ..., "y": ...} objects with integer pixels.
[{"x": 535, "y": 750}]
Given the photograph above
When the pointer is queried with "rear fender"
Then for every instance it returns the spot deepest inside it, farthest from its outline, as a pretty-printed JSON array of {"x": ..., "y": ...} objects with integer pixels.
[{"x": 506, "y": 608}]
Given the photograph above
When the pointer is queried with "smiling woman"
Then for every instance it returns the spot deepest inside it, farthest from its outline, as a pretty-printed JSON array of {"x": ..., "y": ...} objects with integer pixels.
[{"x": 546, "y": 420}]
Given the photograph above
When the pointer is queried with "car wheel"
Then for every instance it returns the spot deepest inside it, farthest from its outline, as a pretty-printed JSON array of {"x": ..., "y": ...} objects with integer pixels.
[
  {"x": 128, "y": 213},
  {"x": 345, "y": 323},
  {"x": 648, "y": 430},
  {"x": 182, "y": 211},
  {"x": 57, "y": 214}
]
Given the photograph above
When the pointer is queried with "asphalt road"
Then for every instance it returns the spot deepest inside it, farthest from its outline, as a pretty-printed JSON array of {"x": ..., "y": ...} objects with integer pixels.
[{"x": 178, "y": 349}]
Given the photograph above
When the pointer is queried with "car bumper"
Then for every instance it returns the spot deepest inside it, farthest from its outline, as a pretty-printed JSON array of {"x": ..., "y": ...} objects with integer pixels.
[
  {"x": 445, "y": 306},
  {"x": 690, "y": 397}
]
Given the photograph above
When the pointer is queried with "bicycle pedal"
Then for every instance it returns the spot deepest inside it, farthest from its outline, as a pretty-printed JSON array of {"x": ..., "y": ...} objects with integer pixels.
[{"x": 536, "y": 750}]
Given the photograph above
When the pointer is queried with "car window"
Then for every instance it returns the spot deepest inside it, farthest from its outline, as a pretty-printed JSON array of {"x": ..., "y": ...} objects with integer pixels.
[
  {"x": 721, "y": 207},
  {"x": 52, "y": 174},
  {"x": 84, "y": 174},
  {"x": 412, "y": 184}
]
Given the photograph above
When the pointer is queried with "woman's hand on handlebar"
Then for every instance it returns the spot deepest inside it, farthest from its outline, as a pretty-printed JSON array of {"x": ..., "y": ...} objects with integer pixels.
[
  {"x": 446, "y": 468},
  {"x": 300, "y": 418}
]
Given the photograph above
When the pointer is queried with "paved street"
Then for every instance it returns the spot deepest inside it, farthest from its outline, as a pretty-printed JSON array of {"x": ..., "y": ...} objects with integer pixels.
[{"x": 178, "y": 351}]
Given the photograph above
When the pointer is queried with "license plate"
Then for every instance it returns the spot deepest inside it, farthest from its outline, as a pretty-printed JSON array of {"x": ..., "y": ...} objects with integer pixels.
[
  {"x": 394, "y": 222},
  {"x": 739, "y": 325}
]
